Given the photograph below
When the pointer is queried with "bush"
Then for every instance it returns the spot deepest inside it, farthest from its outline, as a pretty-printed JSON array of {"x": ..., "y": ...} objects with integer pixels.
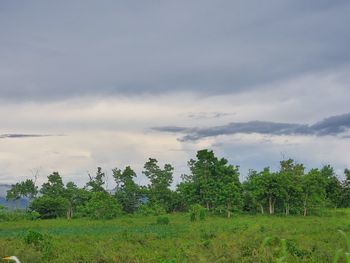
[
  {"x": 33, "y": 215},
  {"x": 162, "y": 220},
  {"x": 40, "y": 242},
  {"x": 102, "y": 206},
  {"x": 12, "y": 215},
  {"x": 151, "y": 209},
  {"x": 34, "y": 238},
  {"x": 197, "y": 212},
  {"x": 49, "y": 207}
]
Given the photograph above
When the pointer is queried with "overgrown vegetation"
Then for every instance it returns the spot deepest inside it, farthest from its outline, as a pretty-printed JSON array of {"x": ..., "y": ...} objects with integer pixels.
[
  {"x": 212, "y": 183},
  {"x": 242, "y": 238},
  {"x": 211, "y": 216}
]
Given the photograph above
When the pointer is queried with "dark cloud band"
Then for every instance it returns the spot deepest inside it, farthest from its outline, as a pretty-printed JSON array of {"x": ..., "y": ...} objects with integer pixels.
[
  {"x": 19, "y": 136},
  {"x": 334, "y": 125}
]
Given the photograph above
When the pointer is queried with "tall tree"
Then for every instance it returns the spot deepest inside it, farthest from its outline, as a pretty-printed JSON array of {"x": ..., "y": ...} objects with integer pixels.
[
  {"x": 202, "y": 176},
  {"x": 160, "y": 181},
  {"x": 333, "y": 188},
  {"x": 290, "y": 176},
  {"x": 54, "y": 187},
  {"x": 229, "y": 194},
  {"x": 71, "y": 194},
  {"x": 26, "y": 189},
  {"x": 254, "y": 193},
  {"x": 127, "y": 191},
  {"x": 52, "y": 202},
  {"x": 97, "y": 182},
  {"x": 14, "y": 193},
  {"x": 213, "y": 183},
  {"x": 313, "y": 190}
]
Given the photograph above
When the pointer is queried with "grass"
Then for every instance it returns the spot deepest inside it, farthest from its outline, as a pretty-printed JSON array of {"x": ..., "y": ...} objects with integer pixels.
[{"x": 243, "y": 238}]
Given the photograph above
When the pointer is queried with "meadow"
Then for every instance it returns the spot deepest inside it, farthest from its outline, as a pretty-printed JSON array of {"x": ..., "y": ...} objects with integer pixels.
[{"x": 242, "y": 238}]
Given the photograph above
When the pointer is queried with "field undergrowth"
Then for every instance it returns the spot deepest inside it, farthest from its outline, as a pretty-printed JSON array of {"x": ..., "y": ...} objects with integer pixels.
[{"x": 243, "y": 238}]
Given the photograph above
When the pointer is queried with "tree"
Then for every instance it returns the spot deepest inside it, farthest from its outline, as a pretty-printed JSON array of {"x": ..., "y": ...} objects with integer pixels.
[
  {"x": 127, "y": 191},
  {"x": 54, "y": 187},
  {"x": 102, "y": 206},
  {"x": 268, "y": 188},
  {"x": 228, "y": 185},
  {"x": 213, "y": 183},
  {"x": 50, "y": 207},
  {"x": 160, "y": 181},
  {"x": 313, "y": 190},
  {"x": 345, "y": 190},
  {"x": 14, "y": 193},
  {"x": 29, "y": 189},
  {"x": 202, "y": 171},
  {"x": 290, "y": 176},
  {"x": 332, "y": 186},
  {"x": 71, "y": 194},
  {"x": 253, "y": 192},
  {"x": 96, "y": 183},
  {"x": 25, "y": 189}
]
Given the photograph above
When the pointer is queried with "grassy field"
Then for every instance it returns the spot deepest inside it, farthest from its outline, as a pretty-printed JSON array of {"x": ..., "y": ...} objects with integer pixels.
[{"x": 243, "y": 238}]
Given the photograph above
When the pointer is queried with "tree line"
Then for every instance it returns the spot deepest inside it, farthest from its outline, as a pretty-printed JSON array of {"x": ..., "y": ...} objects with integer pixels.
[{"x": 212, "y": 183}]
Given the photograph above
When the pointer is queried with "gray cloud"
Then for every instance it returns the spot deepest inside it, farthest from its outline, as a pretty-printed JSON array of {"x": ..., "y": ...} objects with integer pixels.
[
  {"x": 18, "y": 135},
  {"x": 52, "y": 51},
  {"x": 208, "y": 115},
  {"x": 334, "y": 125}
]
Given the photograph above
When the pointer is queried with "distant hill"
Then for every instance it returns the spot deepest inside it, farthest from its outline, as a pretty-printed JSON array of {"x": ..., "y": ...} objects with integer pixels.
[{"x": 22, "y": 203}]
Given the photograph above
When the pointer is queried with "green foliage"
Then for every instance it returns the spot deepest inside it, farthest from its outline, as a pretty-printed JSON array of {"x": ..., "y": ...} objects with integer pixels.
[
  {"x": 163, "y": 220},
  {"x": 49, "y": 206},
  {"x": 217, "y": 239},
  {"x": 41, "y": 243},
  {"x": 151, "y": 209},
  {"x": 33, "y": 215},
  {"x": 12, "y": 215},
  {"x": 96, "y": 183},
  {"x": 128, "y": 193},
  {"x": 197, "y": 212},
  {"x": 102, "y": 206},
  {"x": 212, "y": 183},
  {"x": 158, "y": 190},
  {"x": 33, "y": 237},
  {"x": 54, "y": 186},
  {"x": 212, "y": 187}
]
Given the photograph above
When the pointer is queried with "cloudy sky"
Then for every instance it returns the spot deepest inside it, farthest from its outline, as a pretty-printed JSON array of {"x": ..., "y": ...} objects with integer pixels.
[{"x": 111, "y": 83}]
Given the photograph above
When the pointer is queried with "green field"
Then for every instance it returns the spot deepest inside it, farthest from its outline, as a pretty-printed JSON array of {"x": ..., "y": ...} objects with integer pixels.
[{"x": 243, "y": 238}]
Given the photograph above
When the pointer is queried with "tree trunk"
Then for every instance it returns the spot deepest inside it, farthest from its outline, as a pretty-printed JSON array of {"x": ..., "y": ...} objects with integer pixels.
[
  {"x": 69, "y": 213},
  {"x": 305, "y": 206},
  {"x": 271, "y": 208},
  {"x": 262, "y": 209},
  {"x": 229, "y": 207},
  {"x": 287, "y": 209}
]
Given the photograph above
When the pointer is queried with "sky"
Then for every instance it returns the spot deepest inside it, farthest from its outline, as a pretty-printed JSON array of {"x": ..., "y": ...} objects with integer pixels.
[{"x": 112, "y": 83}]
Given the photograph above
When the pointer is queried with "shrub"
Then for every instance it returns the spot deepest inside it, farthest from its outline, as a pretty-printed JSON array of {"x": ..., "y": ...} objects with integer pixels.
[
  {"x": 40, "y": 242},
  {"x": 49, "y": 207},
  {"x": 33, "y": 215},
  {"x": 197, "y": 212},
  {"x": 34, "y": 238},
  {"x": 162, "y": 220},
  {"x": 12, "y": 215},
  {"x": 102, "y": 206},
  {"x": 151, "y": 209}
]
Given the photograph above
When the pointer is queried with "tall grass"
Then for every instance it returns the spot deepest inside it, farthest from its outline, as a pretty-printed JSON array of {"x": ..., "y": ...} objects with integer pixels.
[{"x": 243, "y": 238}]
